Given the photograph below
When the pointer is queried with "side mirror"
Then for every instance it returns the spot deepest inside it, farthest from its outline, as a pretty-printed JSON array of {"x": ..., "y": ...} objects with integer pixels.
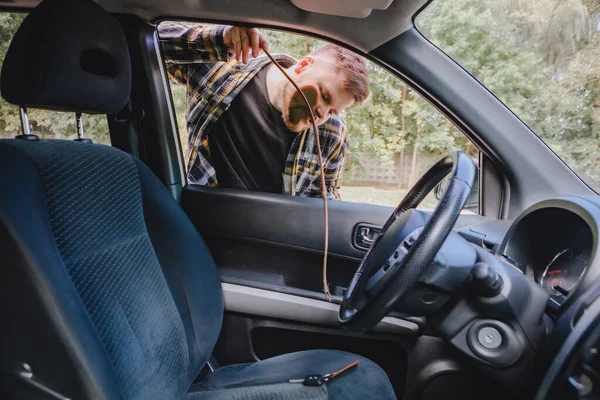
[{"x": 472, "y": 203}]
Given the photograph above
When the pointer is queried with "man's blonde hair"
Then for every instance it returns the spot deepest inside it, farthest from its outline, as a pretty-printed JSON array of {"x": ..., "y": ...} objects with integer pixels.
[{"x": 355, "y": 67}]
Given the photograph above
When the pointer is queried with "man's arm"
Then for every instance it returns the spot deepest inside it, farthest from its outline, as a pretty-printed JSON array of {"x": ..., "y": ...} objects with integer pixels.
[
  {"x": 188, "y": 44},
  {"x": 192, "y": 44}
]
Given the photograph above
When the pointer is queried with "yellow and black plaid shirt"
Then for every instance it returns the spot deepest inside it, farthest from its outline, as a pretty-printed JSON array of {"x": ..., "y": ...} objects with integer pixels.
[{"x": 197, "y": 57}]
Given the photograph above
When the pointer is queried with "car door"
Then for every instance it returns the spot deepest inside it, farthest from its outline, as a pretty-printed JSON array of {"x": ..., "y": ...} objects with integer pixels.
[{"x": 268, "y": 247}]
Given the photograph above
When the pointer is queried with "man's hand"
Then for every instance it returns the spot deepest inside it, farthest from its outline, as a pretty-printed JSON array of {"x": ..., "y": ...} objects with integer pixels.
[{"x": 240, "y": 41}]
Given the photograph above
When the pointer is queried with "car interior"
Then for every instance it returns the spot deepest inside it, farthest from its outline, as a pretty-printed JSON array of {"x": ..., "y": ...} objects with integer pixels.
[{"x": 122, "y": 280}]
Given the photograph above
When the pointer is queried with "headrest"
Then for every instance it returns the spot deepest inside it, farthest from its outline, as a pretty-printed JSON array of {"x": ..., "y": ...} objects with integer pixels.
[{"x": 68, "y": 55}]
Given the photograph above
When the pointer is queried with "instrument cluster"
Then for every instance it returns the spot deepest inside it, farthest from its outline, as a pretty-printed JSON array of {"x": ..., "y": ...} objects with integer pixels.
[{"x": 553, "y": 246}]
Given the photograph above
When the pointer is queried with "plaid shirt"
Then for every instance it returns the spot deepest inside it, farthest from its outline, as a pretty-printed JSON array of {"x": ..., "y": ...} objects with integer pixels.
[{"x": 197, "y": 57}]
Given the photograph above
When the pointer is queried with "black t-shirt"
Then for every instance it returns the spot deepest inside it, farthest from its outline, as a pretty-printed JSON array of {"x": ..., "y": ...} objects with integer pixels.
[{"x": 249, "y": 144}]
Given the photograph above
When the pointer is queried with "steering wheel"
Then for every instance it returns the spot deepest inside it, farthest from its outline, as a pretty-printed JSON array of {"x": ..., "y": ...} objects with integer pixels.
[{"x": 406, "y": 245}]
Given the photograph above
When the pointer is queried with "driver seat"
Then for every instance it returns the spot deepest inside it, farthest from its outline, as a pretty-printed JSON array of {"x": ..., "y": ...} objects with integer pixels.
[{"x": 109, "y": 291}]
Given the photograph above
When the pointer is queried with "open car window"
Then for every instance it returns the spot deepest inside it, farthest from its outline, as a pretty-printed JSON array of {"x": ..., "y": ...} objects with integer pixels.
[
  {"x": 539, "y": 57},
  {"x": 394, "y": 135}
]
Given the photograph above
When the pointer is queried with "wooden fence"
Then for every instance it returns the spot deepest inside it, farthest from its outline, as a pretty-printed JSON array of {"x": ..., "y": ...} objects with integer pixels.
[{"x": 368, "y": 170}]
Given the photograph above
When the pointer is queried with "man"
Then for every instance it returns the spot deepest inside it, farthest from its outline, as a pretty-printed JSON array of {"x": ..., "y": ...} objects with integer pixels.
[{"x": 248, "y": 127}]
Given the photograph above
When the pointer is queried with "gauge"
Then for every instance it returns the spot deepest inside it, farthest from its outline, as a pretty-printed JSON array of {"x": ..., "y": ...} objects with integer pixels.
[{"x": 563, "y": 273}]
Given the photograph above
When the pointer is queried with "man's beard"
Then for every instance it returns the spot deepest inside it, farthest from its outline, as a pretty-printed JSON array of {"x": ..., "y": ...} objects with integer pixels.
[{"x": 294, "y": 113}]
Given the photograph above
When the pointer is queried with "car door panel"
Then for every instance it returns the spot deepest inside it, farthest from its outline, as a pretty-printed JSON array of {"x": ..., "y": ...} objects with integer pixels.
[
  {"x": 269, "y": 251},
  {"x": 262, "y": 239},
  {"x": 275, "y": 242},
  {"x": 280, "y": 219}
]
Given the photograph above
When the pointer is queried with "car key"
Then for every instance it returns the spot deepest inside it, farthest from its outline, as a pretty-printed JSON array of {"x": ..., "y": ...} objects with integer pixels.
[
  {"x": 311, "y": 380},
  {"x": 318, "y": 380}
]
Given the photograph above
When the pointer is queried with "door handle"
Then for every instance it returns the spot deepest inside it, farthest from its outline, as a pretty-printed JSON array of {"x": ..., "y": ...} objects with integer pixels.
[{"x": 365, "y": 235}]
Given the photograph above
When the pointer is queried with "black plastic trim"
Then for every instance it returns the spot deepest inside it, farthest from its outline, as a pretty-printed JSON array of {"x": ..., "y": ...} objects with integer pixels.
[
  {"x": 588, "y": 209},
  {"x": 279, "y": 218},
  {"x": 151, "y": 93},
  {"x": 285, "y": 219}
]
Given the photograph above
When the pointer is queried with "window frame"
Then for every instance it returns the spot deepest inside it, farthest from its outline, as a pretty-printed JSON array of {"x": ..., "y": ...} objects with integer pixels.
[{"x": 492, "y": 176}]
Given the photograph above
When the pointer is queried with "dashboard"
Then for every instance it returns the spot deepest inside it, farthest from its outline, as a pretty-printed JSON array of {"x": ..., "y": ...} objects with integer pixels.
[
  {"x": 552, "y": 245},
  {"x": 553, "y": 242}
]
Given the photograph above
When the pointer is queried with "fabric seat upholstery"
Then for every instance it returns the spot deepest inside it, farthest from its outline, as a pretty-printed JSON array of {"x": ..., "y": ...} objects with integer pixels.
[
  {"x": 128, "y": 282},
  {"x": 368, "y": 381}
]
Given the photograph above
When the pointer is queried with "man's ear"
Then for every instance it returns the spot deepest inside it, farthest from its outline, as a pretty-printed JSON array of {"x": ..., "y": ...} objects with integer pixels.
[{"x": 304, "y": 64}]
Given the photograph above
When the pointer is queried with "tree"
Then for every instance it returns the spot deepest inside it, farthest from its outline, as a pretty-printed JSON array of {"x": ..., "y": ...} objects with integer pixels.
[
  {"x": 540, "y": 57},
  {"x": 385, "y": 126}
]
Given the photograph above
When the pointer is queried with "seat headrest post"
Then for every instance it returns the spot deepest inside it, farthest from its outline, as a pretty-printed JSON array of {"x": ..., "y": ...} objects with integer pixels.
[
  {"x": 25, "y": 128},
  {"x": 80, "y": 134}
]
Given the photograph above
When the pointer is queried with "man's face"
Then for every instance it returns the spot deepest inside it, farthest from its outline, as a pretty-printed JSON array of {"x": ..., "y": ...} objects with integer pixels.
[{"x": 323, "y": 85}]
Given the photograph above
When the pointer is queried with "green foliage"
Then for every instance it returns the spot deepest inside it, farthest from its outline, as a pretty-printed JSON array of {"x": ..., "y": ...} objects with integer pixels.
[
  {"x": 294, "y": 45},
  {"x": 540, "y": 57},
  {"x": 391, "y": 120}
]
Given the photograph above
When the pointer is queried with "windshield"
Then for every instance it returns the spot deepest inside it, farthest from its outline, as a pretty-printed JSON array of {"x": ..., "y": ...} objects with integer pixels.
[{"x": 540, "y": 57}]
